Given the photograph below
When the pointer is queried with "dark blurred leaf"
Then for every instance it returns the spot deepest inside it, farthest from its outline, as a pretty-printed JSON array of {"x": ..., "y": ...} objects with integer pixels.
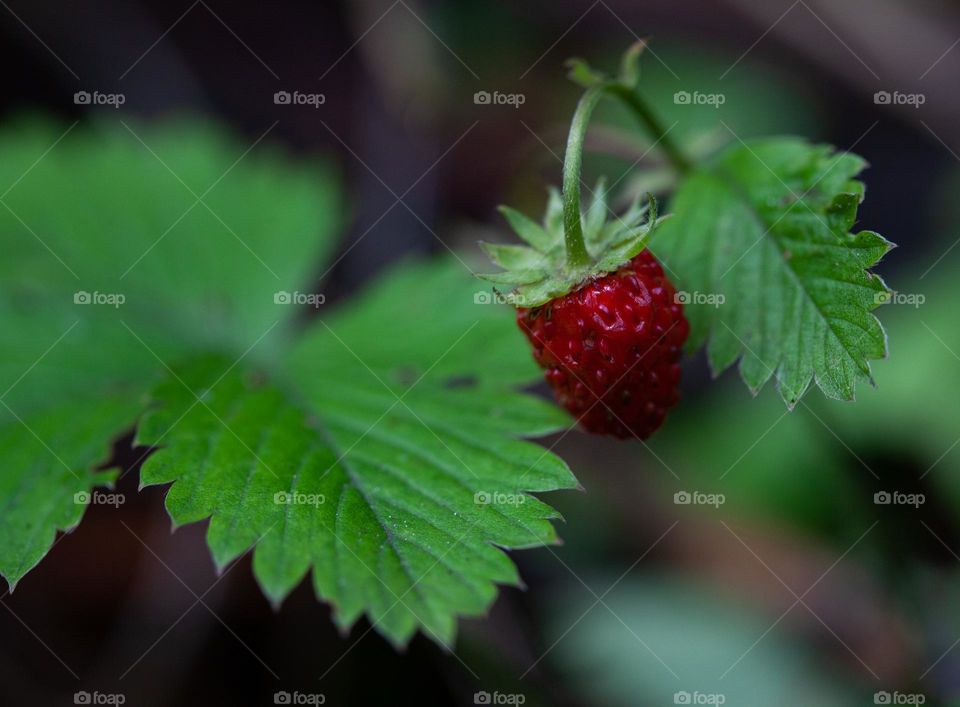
[
  {"x": 123, "y": 250},
  {"x": 670, "y": 641}
]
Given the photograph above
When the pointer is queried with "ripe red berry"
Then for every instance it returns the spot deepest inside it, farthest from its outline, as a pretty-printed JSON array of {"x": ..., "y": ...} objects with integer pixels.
[{"x": 611, "y": 349}]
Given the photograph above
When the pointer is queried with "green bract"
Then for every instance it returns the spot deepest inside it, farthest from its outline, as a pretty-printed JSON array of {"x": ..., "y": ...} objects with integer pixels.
[{"x": 541, "y": 272}]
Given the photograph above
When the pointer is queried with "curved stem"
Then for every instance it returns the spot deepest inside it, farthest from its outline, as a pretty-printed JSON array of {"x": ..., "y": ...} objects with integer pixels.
[{"x": 577, "y": 255}]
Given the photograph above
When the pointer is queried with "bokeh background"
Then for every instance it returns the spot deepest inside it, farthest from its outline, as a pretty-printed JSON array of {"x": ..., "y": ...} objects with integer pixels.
[{"x": 799, "y": 588}]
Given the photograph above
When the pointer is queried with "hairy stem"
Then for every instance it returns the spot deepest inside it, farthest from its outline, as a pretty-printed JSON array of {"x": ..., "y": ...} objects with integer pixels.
[{"x": 577, "y": 255}]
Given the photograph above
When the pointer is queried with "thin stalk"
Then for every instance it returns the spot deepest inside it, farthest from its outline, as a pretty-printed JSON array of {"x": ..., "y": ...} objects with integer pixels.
[
  {"x": 645, "y": 115},
  {"x": 577, "y": 255}
]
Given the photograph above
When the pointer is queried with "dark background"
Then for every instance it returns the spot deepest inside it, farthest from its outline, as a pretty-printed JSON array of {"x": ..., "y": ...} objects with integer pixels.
[{"x": 103, "y": 612}]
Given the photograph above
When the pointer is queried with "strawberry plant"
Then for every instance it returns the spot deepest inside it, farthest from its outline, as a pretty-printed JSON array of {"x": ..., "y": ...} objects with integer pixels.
[
  {"x": 380, "y": 446},
  {"x": 762, "y": 227}
]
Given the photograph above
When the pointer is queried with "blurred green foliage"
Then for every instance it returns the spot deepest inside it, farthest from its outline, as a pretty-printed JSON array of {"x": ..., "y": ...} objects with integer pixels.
[
  {"x": 667, "y": 640},
  {"x": 126, "y": 247}
]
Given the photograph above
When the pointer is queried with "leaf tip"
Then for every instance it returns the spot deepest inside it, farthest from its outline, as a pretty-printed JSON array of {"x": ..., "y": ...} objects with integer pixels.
[{"x": 343, "y": 627}]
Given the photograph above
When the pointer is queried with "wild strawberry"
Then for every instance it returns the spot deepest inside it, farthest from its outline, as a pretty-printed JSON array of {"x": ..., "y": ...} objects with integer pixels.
[
  {"x": 603, "y": 319},
  {"x": 609, "y": 330},
  {"x": 611, "y": 349}
]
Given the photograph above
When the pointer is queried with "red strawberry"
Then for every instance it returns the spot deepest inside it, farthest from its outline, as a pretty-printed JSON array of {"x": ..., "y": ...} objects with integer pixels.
[
  {"x": 603, "y": 319},
  {"x": 611, "y": 349},
  {"x": 605, "y": 325}
]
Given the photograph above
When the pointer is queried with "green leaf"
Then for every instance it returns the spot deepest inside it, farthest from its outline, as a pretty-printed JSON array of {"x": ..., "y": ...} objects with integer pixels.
[
  {"x": 759, "y": 244},
  {"x": 111, "y": 217},
  {"x": 48, "y": 473},
  {"x": 323, "y": 415},
  {"x": 397, "y": 443},
  {"x": 195, "y": 232}
]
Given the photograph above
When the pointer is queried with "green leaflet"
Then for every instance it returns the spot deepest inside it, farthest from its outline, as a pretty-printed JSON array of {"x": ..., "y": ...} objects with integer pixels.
[
  {"x": 91, "y": 216},
  {"x": 398, "y": 448},
  {"x": 760, "y": 245},
  {"x": 206, "y": 251},
  {"x": 47, "y": 477}
]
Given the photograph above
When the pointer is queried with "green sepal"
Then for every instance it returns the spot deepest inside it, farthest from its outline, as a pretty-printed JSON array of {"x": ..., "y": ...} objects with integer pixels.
[{"x": 540, "y": 272}]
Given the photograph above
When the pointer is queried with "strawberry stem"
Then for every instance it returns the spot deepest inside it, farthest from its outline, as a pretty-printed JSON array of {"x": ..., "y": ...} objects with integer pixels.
[
  {"x": 577, "y": 255},
  {"x": 623, "y": 88},
  {"x": 632, "y": 99}
]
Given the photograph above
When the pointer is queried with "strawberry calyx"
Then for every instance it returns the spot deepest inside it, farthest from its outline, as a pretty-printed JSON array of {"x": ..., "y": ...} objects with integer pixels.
[
  {"x": 541, "y": 270},
  {"x": 571, "y": 248}
]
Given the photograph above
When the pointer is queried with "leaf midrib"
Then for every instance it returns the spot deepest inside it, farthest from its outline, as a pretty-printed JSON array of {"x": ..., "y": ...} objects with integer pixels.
[{"x": 355, "y": 480}]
